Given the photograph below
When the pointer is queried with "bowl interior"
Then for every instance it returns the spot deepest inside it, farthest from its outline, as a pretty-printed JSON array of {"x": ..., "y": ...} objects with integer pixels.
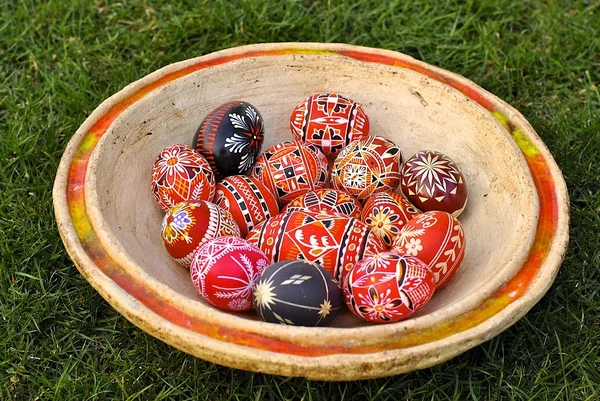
[{"x": 412, "y": 110}]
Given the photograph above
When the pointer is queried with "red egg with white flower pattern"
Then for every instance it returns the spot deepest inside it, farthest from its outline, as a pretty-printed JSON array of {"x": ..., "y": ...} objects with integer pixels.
[
  {"x": 438, "y": 239},
  {"x": 326, "y": 199},
  {"x": 387, "y": 287},
  {"x": 291, "y": 169},
  {"x": 224, "y": 271},
  {"x": 386, "y": 213},
  {"x": 179, "y": 174},
  {"x": 247, "y": 199},
  {"x": 334, "y": 241},
  {"x": 189, "y": 224},
  {"x": 330, "y": 121},
  {"x": 432, "y": 181}
]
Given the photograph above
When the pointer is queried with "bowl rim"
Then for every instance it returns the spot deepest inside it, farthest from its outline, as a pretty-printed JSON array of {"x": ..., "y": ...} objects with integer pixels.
[{"x": 281, "y": 357}]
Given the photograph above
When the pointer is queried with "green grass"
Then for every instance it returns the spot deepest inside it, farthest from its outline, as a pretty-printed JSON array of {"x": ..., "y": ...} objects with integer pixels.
[{"x": 59, "y": 59}]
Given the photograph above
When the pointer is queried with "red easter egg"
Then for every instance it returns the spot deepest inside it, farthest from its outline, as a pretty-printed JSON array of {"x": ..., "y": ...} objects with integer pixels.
[
  {"x": 189, "y": 224},
  {"x": 330, "y": 121},
  {"x": 179, "y": 174},
  {"x": 291, "y": 169},
  {"x": 432, "y": 181},
  {"x": 438, "y": 239},
  {"x": 326, "y": 199},
  {"x": 224, "y": 271},
  {"x": 333, "y": 241},
  {"x": 387, "y": 287},
  {"x": 247, "y": 199},
  {"x": 367, "y": 166},
  {"x": 386, "y": 213}
]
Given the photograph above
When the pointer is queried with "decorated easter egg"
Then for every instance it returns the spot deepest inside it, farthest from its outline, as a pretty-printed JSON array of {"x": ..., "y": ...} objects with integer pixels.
[
  {"x": 432, "y": 181},
  {"x": 230, "y": 138},
  {"x": 330, "y": 121},
  {"x": 326, "y": 199},
  {"x": 387, "y": 287},
  {"x": 333, "y": 241},
  {"x": 291, "y": 169},
  {"x": 189, "y": 224},
  {"x": 224, "y": 271},
  {"x": 438, "y": 239},
  {"x": 298, "y": 293},
  {"x": 179, "y": 174},
  {"x": 367, "y": 166},
  {"x": 386, "y": 213},
  {"x": 247, "y": 199}
]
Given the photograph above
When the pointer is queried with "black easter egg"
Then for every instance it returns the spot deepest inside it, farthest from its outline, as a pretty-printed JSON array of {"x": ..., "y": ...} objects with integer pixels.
[
  {"x": 230, "y": 138},
  {"x": 297, "y": 293}
]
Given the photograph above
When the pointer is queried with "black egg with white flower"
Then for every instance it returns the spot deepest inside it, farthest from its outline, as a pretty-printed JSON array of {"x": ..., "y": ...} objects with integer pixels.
[
  {"x": 297, "y": 293},
  {"x": 230, "y": 138}
]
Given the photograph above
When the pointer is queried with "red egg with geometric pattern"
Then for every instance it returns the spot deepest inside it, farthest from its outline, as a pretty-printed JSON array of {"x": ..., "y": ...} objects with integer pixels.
[
  {"x": 326, "y": 199},
  {"x": 247, "y": 199},
  {"x": 189, "y": 224},
  {"x": 367, "y": 166},
  {"x": 386, "y": 213},
  {"x": 387, "y": 287},
  {"x": 332, "y": 240},
  {"x": 438, "y": 239},
  {"x": 432, "y": 181},
  {"x": 330, "y": 121},
  {"x": 291, "y": 169},
  {"x": 179, "y": 174},
  {"x": 224, "y": 271}
]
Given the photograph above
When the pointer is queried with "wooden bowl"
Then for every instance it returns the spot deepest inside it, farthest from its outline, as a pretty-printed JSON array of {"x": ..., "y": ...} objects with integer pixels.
[{"x": 516, "y": 223}]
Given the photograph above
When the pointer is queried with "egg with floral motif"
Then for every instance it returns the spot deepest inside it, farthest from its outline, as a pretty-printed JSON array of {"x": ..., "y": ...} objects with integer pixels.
[
  {"x": 326, "y": 199},
  {"x": 179, "y": 174},
  {"x": 387, "y": 287},
  {"x": 224, "y": 271},
  {"x": 189, "y": 224},
  {"x": 438, "y": 239}
]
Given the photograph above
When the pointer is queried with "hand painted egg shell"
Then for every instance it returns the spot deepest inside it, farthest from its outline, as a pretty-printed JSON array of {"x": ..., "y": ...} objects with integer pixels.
[
  {"x": 224, "y": 271},
  {"x": 432, "y": 181},
  {"x": 330, "y": 121},
  {"x": 179, "y": 174},
  {"x": 386, "y": 213},
  {"x": 334, "y": 241},
  {"x": 189, "y": 224},
  {"x": 291, "y": 169},
  {"x": 387, "y": 287},
  {"x": 298, "y": 293},
  {"x": 367, "y": 166},
  {"x": 438, "y": 239},
  {"x": 247, "y": 199},
  {"x": 326, "y": 200},
  {"x": 230, "y": 138}
]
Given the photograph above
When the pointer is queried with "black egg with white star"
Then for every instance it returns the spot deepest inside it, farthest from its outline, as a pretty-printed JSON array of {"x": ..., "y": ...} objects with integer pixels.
[{"x": 297, "y": 293}]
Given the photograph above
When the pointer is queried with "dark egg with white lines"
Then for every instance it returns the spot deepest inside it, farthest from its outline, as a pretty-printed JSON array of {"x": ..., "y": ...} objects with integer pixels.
[
  {"x": 230, "y": 138},
  {"x": 297, "y": 293}
]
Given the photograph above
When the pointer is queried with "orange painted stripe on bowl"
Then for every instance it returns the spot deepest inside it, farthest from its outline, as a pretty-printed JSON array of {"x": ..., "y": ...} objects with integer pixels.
[{"x": 538, "y": 165}]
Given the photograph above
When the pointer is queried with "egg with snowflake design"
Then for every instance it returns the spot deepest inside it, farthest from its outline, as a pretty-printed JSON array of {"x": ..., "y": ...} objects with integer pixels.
[
  {"x": 330, "y": 121},
  {"x": 224, "y": 271},
  {"x": 326, "y": 199},
  {"x": 367, "y": 166},
  {"x": 333, "y": 241},
  {"x": 230, "y": 138},
  {"x": 387, "y": 287},
  {"x": 189, "y": 224},
  {"x": 297, "y": 293},
  {"x": 179, "y": 174},
  {"x": 386, "y": 213},
  {"x": 247, "y": 199},
  {"x": 290, "y": 169},
  {"x": 432, "y": 181},
  {"x": 438, "y": 239}
]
